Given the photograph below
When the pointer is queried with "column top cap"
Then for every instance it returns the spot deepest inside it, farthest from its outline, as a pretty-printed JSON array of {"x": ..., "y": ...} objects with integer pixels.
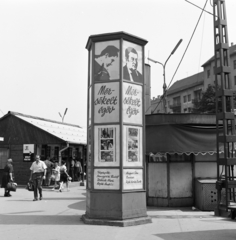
[{"x": 115, "y": 36}]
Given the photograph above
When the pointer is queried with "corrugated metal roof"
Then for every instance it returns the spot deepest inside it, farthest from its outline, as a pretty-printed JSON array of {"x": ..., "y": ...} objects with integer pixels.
[{"x": 67, "y": 132}]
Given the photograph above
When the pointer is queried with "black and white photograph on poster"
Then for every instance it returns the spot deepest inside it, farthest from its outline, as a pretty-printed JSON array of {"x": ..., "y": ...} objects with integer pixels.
[
  {"x": 133, "y": 144},
  {"x": 107, "y": 147},
  {"x": 132, "y": 62},
  {"x": 106, "y": 102},
  {"x": 28, "y": 152},
  {"x": 106, "y": 60}
]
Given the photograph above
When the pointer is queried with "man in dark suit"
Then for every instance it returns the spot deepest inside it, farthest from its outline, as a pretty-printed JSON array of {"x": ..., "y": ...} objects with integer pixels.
[
  {"x": 103, "y": 61},
  {"x": 130, "y": 71}
]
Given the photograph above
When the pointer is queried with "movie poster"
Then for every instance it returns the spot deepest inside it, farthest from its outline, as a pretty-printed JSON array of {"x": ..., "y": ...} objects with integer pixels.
[
  {"x": 132, "y": 179},
  {"x": 107, "y": 179},
  {"x": 106, "y": 102},
  {"x": 132, "y": 62},
  {"x": 132, "y": 145},
  {"x": 107, "y": 61},
  {"x": 132, "y": 103},
  {"x": 107, "y": 145}
]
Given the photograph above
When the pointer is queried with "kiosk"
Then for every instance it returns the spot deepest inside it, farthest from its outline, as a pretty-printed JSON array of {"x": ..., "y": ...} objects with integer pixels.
[{"x": 116, "y": 193}]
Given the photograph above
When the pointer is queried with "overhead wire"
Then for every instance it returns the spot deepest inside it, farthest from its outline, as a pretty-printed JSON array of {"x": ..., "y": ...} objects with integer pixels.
[{"x": 183, "y": 55}]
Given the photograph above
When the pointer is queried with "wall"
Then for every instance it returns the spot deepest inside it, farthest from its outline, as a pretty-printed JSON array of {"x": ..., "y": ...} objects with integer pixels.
[
  {"x": 21, "y": 169},
  {"x": 181, "y": 180}
]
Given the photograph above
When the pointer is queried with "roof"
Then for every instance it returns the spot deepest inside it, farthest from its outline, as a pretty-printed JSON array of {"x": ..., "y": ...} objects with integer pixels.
[
  {"x": 68, "y": 132},
  {"x": 192, "y": 81},
  {"x": 232, "y": 51}
]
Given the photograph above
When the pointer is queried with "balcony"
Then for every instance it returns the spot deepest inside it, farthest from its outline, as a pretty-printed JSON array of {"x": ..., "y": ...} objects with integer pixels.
[{"x": 176, "y": 107}]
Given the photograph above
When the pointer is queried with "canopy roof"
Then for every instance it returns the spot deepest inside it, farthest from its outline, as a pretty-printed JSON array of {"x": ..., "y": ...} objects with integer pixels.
[
  {"x": 180, "y": 133},
  {"x": 66, "y": 132}
]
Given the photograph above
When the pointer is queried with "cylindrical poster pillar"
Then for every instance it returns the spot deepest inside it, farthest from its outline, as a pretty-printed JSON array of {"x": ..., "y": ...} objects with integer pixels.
[{"x": 116, "y": 191}]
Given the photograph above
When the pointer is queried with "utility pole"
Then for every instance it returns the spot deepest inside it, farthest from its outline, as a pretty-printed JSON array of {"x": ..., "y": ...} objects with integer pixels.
[
  {"x": 164, "y": 73},
  {"x": 226, "y": 182}
]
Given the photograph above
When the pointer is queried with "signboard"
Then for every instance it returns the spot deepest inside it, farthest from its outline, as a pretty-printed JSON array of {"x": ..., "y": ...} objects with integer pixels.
[
  {"x": 107, "y": 151},
  {"x": 106, "y": 102},
  {"x": 107, "y": 179},
  {"x": 133, "y": 146},
  {"x": 132, "y": 179},
  {"x": 28, "y": 152},
  {"x": 132, "y": 103}
]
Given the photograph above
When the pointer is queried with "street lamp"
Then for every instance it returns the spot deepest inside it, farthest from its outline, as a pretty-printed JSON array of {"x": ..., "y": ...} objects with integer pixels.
[
  {"x": 62, "y": 118},
  {"x": 164, "y": 75}
]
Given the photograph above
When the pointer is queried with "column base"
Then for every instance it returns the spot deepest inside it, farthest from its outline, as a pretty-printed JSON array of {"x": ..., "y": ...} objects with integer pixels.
[{"x": 117, "y": 223}]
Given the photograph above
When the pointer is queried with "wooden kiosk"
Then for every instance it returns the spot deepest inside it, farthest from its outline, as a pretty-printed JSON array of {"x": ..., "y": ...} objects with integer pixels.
[{"x": 116, "y": 193}]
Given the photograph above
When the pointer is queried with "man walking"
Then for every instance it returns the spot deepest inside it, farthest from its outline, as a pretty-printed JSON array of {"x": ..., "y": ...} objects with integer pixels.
[
  {"x": 38, "y": 173},
  {"x": 49, "y": 165}
]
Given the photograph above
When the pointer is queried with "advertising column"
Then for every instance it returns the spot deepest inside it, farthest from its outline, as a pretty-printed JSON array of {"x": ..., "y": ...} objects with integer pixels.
[{"x": 116, "y": 169}]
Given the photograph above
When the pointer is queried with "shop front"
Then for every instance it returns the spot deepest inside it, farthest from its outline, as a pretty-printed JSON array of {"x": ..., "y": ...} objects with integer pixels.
[
  {"x": 180, "y": 149},
  {"x": 25, "y": 136}
]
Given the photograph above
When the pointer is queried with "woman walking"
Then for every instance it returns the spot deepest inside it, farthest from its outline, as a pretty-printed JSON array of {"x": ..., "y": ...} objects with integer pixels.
[
  {"x": 56, "y": 173},
  {"x": 64, "y": 177},
  {"x": 7, "y": 177}
]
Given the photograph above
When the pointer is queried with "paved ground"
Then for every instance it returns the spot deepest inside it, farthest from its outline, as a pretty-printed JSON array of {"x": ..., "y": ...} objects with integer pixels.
[{"x": 57, "y": 217}]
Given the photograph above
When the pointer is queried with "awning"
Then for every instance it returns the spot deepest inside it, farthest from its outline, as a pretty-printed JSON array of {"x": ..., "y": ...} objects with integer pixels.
[{"x": 180, "y": 138}]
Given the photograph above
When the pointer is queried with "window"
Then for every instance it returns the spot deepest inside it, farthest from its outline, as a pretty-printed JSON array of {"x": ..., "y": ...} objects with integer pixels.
[
  {"x": 208, "y": 73},
  {"x": 185, "y": 99},
  {"x": 189, "y": 98},
  {"x": 234, "y": 64},
  {"x": 197, "y": 94},
  {"x": 185, "y": 110},
  {"x": 176, "y": 101}
]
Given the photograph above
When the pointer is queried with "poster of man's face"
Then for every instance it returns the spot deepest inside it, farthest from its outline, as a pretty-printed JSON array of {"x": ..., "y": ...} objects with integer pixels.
[
  {"x": 106, "y": 60},
  {"x": 132, "y": 62}
]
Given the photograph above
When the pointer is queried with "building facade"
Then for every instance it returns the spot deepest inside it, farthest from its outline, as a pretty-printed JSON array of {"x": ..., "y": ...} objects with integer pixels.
[
  {"x": 181, "y": 95},
  {"x": 24, "y": 136}
]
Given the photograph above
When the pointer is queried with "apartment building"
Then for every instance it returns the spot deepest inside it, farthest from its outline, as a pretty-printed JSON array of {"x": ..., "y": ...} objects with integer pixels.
[{"x": 181, "y": 95}]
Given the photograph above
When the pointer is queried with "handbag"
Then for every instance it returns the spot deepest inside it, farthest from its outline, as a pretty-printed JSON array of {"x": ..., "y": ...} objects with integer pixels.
[
  {"x": 30, "y": 186},
  {"x": 11, "y": 186}
]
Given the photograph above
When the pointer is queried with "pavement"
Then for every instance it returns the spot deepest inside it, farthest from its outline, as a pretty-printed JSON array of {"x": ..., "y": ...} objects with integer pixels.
[{"x": 58, "y": 217}]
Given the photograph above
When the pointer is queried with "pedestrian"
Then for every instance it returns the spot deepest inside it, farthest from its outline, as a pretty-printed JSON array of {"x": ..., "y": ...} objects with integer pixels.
[
  {"x": 49, "y": 165},
  {"x": 38, "y": 173},
  {"x": 78, "y": 170},
  {"x": 56, "y": 174},
  {"x": 63, "y": 177},
  {"x": 7, "y": 177},
  {"x": 72, "y": 169}
]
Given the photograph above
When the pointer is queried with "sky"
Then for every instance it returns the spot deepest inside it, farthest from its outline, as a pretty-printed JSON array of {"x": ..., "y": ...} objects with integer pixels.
[{"x": 44, "y": 62}]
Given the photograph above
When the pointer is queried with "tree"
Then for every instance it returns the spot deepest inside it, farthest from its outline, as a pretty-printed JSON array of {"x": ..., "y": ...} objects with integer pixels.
[{"x": 207, "y": 104}]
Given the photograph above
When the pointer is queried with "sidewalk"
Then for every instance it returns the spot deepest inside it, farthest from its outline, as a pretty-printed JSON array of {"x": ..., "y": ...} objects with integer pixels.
[{"x": 58, "y": 217}]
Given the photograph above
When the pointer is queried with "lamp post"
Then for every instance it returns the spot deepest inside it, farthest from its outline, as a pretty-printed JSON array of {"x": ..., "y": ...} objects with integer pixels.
[
  {"x": 164, "y": 75},
  {"x": 62, "y": 118}
]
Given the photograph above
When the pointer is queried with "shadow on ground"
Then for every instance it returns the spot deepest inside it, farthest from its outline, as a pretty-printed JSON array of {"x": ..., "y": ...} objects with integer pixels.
[
  {"x": 40, "y": 220},
  {"x": 229, "y": 234}
]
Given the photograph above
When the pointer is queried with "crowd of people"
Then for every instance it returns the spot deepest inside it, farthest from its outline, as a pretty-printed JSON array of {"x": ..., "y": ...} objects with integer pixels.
[{"x": 45, "y": 173}]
